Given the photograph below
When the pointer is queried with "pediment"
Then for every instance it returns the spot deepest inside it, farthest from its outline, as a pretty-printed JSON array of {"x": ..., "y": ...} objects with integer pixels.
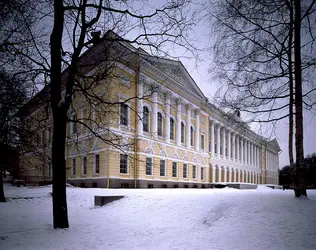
[{"x": 177, "y": 71}]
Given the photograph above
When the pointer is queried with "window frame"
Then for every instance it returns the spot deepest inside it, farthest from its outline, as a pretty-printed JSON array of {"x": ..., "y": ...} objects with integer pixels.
[
  {"x": 171, "y": 135},
  {"x": 192, "y": 136},
  {"x": 73, "y": 166},
  {"x": 165, "y": 163},
  {"x": 182, "y": 132},
  {"x": 124, "y": 119},
  {"x": 147, "y": 119},
  {"x": 202, "y": 142},
  {"x": 194, "y": 172},
  {"x": 151, "y": 167},
  {"x": 202, "y": 173},
  {"x": 96, "y": 164},
  {"x": 175, "y": 164},
  {"x": 186, "y": 170},
  {"x": 84, "y": 165},
  {"x": 159, "y": 124},
  {"x": 127, "y": 164}
]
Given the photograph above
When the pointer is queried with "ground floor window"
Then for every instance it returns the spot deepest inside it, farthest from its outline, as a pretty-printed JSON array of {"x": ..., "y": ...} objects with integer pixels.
[
  {"x": 162, "y": 167},
  {"x": 174, "y": 169},
  {"x": 202, "y": 173},
  {"x": 97, "y": 164},
  {"x": 123, "y": 164},
  {"x": 149, "y": 165},
  {"x": 185, "y": 170},
  {"x": 84, "y": 165},
  {"x": 194, "y": 172},
  {"x": 73, "y": 166}
]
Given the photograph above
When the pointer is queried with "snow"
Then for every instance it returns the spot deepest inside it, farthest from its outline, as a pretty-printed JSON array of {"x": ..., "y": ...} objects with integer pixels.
[{"x": 226, "y": 218}]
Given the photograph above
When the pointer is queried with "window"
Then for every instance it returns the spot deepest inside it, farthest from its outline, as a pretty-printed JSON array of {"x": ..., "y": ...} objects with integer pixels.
[
  {"x": 145, "y": 119},
  {"x": 149, "y": 165},
  {"x": 97, "y": 164},
  {"x": 202, "y": 142},
  {"x": 202, "y": 173},
  {"x": 159, "y": 117},
  {"x": 182, "y": 132},
  {"x": 124, "y": 114},
  {"x": 73, "y": 166},
  {"x": 194, "y": 172},
  {"x": 162, "y": 168},
  {"x": 171, "y": 129},
  {"x": 84, "y": 165},
  {"x": 73, "y": 123},
  {"x": 49, "y": 168},
  {"x": 123, "y": 164},
  {"x": 192, "y": 136},
  {"x": 174, "y": 169},
  {"x": 185, "y": 170}
]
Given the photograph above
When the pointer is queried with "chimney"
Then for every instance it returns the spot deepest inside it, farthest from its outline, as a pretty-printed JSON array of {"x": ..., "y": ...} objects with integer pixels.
[{"x": 96, "y": 37}]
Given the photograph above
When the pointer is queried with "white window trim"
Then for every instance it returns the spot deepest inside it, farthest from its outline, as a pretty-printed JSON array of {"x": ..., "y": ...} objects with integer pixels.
[
  {"x": 187, "y": 170},
  {"x": 174, "y": 128},
  {"x": 82, "y": 167},
  {"x": 165, "y": 173},
  {"x": 152, "y": 166},
  {"x": 128, "y": 115},
  {"x": 95, "y": 164},
  {"x": 162, "y": 123},
  {"x": 203, "y": 173},
  {"x": 194, "y": 165},
  {"x": 150, "y": 112},
  {"x": 202, "y": 135},
  {"x": 126, "y": 167},
  {"x": 177, "y": 170}
]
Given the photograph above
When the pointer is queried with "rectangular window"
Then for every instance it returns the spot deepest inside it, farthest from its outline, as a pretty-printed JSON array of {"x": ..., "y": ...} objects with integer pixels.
[
  {"x": 202, "y": 173},
  {"x": 73, "y": 124},
  {"x": 171, "y": 129},
  {"x": 162, "y": 167},
  {"x": 192, "y": 137},
  {"x": 149, "y": 165},
  {"x": 174, "y": 169},
  {"x": 202, "y": 142},
  {"x": 49, "y": 168},
  {"x": 123, "y": 163},
  {"x": 73, "y": 166},
  {"x": 97, "y": 163},
  {"x": 194, "y": 172},
  {"x": 185, "y": 170},
  {"x": 124, "y": 114},
  {"x": 84, "y": 165}
]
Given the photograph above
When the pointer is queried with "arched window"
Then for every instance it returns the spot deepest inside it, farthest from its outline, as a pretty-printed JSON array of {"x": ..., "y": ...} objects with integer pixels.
[
  {"x": 145, "y": 119},
  {"x": 159, "y": 118},
  {"x": 182, "y": 132},
  {"x": 171, "y": 129},
  {"x": 192, "y": 136}
]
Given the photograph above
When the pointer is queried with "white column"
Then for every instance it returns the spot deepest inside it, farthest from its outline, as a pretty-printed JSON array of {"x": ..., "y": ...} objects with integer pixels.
[
  {"x": 218, "y": 139},
  {"x": 234, "y": 146},
  {"x": 188, "y": 131},
  {"x": 140, "y": 108},
  {"x": 251, "y": 153},
  {"x": 178, "y": 132},
  {"x": 213, "y": 173},
  {"x": 212, "y": 138},
  {"x": 229, "y": 144},
  {"x": 167, "y": 120},
  {"x": 155, "y": 109},
  {"x": 242, "y": 150},
  {"x": 197, "y": 132},
  {"x": 258, "y": 158},
  {"x": 224, "y": 144}
]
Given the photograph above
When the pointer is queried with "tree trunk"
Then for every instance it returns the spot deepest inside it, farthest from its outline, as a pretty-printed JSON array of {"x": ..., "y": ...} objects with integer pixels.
[
  {"x": 291, "y": 101},
  {"x": 299, "y": 184},
  {"x": 2, "y": 197},
  {"x": 59, "y": 171},
  {"x": 60, "y": 214}
]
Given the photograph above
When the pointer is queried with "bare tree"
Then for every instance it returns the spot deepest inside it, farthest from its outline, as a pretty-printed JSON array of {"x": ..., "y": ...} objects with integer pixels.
[
  {"x": 254, "y": 57},
  {"x": 74, "y": 66}
]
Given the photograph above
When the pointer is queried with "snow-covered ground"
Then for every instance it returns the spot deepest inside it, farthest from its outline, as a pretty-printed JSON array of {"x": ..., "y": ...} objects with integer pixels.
[{"x": 161, "y": 219}]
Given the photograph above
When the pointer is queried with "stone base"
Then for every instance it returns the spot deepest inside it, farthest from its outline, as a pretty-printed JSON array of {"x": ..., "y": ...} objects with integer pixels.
[{"x": 121, "y": 183}]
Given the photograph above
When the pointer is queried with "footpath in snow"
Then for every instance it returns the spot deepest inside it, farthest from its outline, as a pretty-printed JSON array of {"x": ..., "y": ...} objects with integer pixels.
[{"x": 160, "y": 219}]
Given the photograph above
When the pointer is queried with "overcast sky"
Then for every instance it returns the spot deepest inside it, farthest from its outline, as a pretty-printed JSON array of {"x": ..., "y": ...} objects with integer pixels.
[{"x": 202, "y": 77}]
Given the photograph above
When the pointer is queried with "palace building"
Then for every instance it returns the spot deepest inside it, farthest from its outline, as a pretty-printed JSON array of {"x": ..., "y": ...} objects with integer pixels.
[{"x": 155, "y": 130}]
